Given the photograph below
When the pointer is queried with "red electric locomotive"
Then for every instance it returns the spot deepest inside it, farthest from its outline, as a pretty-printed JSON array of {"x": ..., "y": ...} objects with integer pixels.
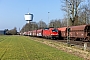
[{"x": 50, "y": 33}]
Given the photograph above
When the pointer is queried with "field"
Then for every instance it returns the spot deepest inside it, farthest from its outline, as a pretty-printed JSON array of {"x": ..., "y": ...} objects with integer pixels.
[{"x": 23, "y": 48}]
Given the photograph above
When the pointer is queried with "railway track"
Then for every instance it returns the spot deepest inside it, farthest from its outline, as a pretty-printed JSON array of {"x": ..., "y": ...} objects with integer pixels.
[{"x": 77, "y": 44}]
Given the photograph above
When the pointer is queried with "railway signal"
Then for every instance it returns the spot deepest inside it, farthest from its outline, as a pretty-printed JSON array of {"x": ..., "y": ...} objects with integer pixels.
[{"x": 68, "y": 38}]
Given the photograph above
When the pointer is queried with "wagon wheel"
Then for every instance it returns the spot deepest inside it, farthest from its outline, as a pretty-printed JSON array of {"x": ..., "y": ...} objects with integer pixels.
[
  {"x": 87, "y": 39},
  {"x": 65, "y": 38},
  {"x": 77, "y": 39}
]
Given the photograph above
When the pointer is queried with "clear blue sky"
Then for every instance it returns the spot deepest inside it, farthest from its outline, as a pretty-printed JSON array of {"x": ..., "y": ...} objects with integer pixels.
[{"x": 12, "y": 12}]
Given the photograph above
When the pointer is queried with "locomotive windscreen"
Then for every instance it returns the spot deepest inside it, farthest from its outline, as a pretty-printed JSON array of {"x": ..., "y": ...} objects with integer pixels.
[
  {"x": 54, "y": 30},
  {"x": 46, "y": 28}
]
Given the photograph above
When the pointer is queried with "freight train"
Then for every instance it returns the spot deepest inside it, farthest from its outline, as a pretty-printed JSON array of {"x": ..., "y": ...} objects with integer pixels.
[
  {"x": 46, "y": 33},
  {"x": 81, "y": 32}
]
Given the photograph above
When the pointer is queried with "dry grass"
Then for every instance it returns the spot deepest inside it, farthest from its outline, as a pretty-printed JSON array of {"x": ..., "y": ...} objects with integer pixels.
[{"x": 64, "y": 47}]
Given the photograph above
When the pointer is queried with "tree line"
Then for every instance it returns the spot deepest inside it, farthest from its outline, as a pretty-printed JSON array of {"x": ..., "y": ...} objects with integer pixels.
[
  {"x": 77, "y": 13},
  {"x": 55, "y": 23},
  {"x": 11, "y": 32}
]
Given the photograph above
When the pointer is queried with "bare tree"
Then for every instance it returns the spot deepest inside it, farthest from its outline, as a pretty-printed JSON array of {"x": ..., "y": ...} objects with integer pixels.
[
  {"x": 55, "y": 23},
  {"x": 64, "y": 22},
  {"x": 12, "y": 31},
  {"x": 88, "y": 12},
  {"x": 84, "y": 16},
  {"x": 51, "y": 24},
  {"x": 42, "y": 24},
  {"x": 29, "y": 26},
  {"x": 34, "y": 26},
  {"x": 26, "y": 27},
  {"x": 73, "y": 7}
]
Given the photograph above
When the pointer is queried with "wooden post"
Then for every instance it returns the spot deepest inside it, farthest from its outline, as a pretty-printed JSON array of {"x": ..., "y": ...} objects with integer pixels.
[{"x": 85, "y": 46}]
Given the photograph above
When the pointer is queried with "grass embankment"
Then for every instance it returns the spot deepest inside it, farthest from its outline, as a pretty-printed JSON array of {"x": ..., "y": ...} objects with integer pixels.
[{"x": 22, "y": 48}]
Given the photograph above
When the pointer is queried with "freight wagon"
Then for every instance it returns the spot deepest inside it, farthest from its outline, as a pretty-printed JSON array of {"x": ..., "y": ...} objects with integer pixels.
[
  {"x": 34, "y": 33},
  {"x": 30, "y": 33},
  {"x": 62, "y": 32},
  {"x": 47, "y": 33},
  {"x": 81, "y": 32},
  {"x": 40, "y": 33}
]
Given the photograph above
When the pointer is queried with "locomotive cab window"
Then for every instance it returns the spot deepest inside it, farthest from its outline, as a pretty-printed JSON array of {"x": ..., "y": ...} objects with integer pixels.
[
  {"x": 46, "y": 28},
  {"x": 55, "y": 30}
]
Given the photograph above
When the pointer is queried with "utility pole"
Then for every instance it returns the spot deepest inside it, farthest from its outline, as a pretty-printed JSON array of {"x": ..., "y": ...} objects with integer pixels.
[
  {"x": 48, "y": 18},
  {"x": 41, "y": 24}
]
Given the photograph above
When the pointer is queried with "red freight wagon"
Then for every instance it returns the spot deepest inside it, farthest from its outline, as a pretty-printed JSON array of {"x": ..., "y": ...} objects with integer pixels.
[
  {"x": 46, "y": 33},
  {"x": 34, "y": 33},
  {"x": 62, "y": 32},
  {"x": 40, "y": 33},
  {"x": 30, "y": 33},
  {"x": 25, "y": 33}
]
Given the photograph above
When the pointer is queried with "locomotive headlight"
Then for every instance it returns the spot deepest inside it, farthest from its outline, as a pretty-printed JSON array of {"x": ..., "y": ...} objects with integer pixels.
[
  {"x": 51, "y": 34},
  {"x": 54, "y": 34}
]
